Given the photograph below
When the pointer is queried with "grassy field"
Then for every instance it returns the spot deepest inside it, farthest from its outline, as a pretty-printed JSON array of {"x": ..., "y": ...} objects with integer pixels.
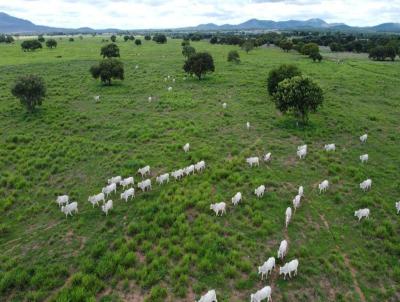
[{"x": 166, "y": 245}]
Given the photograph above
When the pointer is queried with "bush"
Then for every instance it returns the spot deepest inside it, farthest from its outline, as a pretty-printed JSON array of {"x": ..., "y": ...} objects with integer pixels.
[
  {"x": 309, "y": 48},
  {"x": 188, "y": 51},
  {"x": 248, "y": 45},
  {"x": 71, "y": 39},
  {"x": 298, "y": 95},
  {"x": 30, "y": 90},
  {"x": 316, "y": 56},
  {"x": 41, "y": 39},
  {"x": 279, "y": 74},
  {"x": 110, "y": 51},
  {"x": 138, "y": 42},
  {"x": 233, "y": 56},
  {"x": 113, "y": 38},
  {"x": 147, "y": 37},
  {"x": 160, "y": 38},
  {"x": 31, "y": 45},
  {"x": 107, "y": 70},
  {"x": 199, "y": 64},
  {"x": 51, "y": 43}
]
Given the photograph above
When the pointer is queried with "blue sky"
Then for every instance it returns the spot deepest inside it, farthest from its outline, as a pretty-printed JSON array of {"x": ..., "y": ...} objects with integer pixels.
[{"x": 136, "y": 14}]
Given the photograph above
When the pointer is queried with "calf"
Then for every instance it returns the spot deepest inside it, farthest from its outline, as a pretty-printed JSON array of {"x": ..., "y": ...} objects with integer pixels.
[
  {"x": 323, "y": 186},
  {"x": 210, "y": 296},
  {"x": 62, "y": 200},
  {"x": 218, "y": 207},
  {"x": 262, "y": 294},
  {"x": 94, "y": 200},
  {"x": 107, "y": 206},
  {"x": 282, "y": 249},
  {"x": 162, "y": 178},
  {"x": 361, "y": 213},
  {"x": 237, "y": 198},
  {"x": 267, "y": 267},
  {"x": 128, "y": 193},
  {"x": 260, "y": 191},
  {"x": 69, "y": 208}
]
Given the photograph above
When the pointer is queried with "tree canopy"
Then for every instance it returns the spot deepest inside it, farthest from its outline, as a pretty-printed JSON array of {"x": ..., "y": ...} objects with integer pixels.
[
  {"x": 107, "y": 70},
  {"x": 233, "y": 56},
  {"x": 199, "y": 64},
  {"x": 248, "y": 45},
  {"x": 110, "y": 51},
  {"x": 51, "y": 43},
  {"x": 160, "y": 38},
  {"x": 188, "y": 51},
  {"x": 30, "y": 90},
  {"x": 31, "y": 45},
  {"x": 279, "y": 74}
]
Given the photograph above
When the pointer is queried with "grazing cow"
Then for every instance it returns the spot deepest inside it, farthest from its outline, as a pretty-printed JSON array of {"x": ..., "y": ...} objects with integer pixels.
[
  {"x": 288, "y": 214},
  {"x": 330, "y": 147},
  {"x": 267, "y": 267},
  {"x": 109, "y": 189},
  {"x": 301, "y": 191},
  {"x": 107, "y": 206},
  {"x": 363, "y": 138},
  {"x": 186, "y": 147},
  {"x": 302, "y": 147},
  {"x": 145, "y": 184},
  {"x": 366, "y": 185},
  {"x": 218, "y": 207},
  {"x": 137, "y": 66},
  {"x": 62, "y": 200},
  {"x": 126, "y": 182},
  {"x": 398, "y": 207},
  {"x": 150, "y": 98},
  {"x": 162, "y": 178},
  {"x": 200, "y": 166},
  {"x": 144, "y": 171},
  {"x": 69, "y": 208},
  {"x": 94, "y": 200},
  {"x": 262, "y": 294},
  {"x": 173, "y": 80},
  {"x": 267, "y": 157},
  {"x": 169, "y": 88},
  {"x": 224, "y": 105},
  {"x": 260, "y": 191},
  {"x": 248, "y": 126},
  {"x": 253, "y": 161},
  {"x": 237, "y": 198},
  {"x": 115, "y": 180},
  {"x": 177, "y": 174},
  {"x": 288, "y": 268},
  {"x": 282, "y": 249},
  {"x": 361, "y": 213},
  {"x": 323, "y": 186},
  {"x": 296, "y": 202},
  {"x": 189, "y": 169},
  {"x": 364, "y": 158},
  {"x": 96, "y": 98},
  {"x": 210, "y": 296},
  {"x": 128, "y": 193},
  {"x": 302, "y": 153}
]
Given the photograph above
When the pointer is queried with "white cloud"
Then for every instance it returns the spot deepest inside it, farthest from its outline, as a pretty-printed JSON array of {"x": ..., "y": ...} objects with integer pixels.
[{"x": 135, "y": 14}]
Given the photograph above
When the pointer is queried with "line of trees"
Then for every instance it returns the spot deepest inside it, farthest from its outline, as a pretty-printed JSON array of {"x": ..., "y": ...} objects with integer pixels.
[{"x": 6, "y": 39}]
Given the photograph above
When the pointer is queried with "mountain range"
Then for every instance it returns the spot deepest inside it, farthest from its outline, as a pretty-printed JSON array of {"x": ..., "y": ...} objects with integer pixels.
[{"x": 10, "y": 24}]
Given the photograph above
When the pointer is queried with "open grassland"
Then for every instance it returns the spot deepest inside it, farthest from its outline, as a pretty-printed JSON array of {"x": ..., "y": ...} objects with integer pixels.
[{"x": 166, "y": 245}]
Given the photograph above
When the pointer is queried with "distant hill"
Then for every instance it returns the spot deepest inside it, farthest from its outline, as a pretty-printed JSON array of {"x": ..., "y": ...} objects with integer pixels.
[{"x": 10, "y": 24}]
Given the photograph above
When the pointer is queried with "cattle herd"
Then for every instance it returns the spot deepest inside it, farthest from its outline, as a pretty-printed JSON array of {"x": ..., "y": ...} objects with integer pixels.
[{"x": 268, "y": 266}]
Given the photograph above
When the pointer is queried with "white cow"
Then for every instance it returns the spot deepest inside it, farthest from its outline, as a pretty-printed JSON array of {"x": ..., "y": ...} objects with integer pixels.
[
  {"x": 363, "y": 138},
  {"x": 218, "y": 207},
  {"x": 169, "y": 88},
  {"x": 94, "y": 200},
  {"x": 282, "y": 249},
  {"x": 115, "y": 180},
  {"x": 237, "y": 198},
  {"x": 296, "y": 202},
  {"x": 224, "y": 105},
  {"x": 262, "y": 294},
  {"x": 126, "y": 182},
  {"x": 144, "y": 171},
  {"x": 366, "y": 185},
  {"x": 128, "y": 193},
  {"x": 253, "y": 161},
  {"x": 210, "y": 296},
  {"x": 96, "y": 98},
  {"x": 361, "y": 213},
  {"x": 364, "y": 158},
  {"x": 323, "y": 186},
  {"x": 69, "y": 208},
  {"x": 62, "y": 200},
  {"x": 109, "y": 189},
  {"x": 145, "y": 184},
  {"x": 267, "y": 267},
  {"x": 288, "y": 268},
  {"x": 260, "y": 191},
  {"x": 267, "y": 157},
  {"x": 302, "y": 153},
  {"x": 248, "y": 125},
  {"x": 398, "y": 207},
  {"x": 186, "y": 147},
  {"x": 150, "y": 98},
  {"x": 107, "y": 206},
  {"x": 330, "y": 147},
  {"x": 200, "y": 166},
  {"x": 301, "y": 191},
  {"x": 302, "y": 147},
  {"x": 162, "y": 178},
  {"x": 288, "y": 215},
  {"x": 189, "y": 169},
  {"x": 177, "y": 174}
]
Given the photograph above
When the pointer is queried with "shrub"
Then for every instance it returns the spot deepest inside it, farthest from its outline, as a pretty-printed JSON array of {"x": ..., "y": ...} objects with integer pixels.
[
  {"x": 316, "y": 56},
  {"x": 298, "y": 95},
  {"x": 138, "y": 42},
  {"x": 188, "y": 51},
  {"x": 110, "y": 51},
  {"x": 233, "y": 56},
  {"x": 51, "y": 43},
  {"x": 248, "y": 45},
  {"x": 113, "y": 38},
  {"x": 199, "y": 64},
  {"x": 279, "y": 74},
  {"x": 309, "y": 48},
  {"x": 31, "y": 45},
  {"x": 160, "y": 38},
  {"x": 147, "y": 37},
  {"x": 71, "y": 39},
  {"x": 30, "y": 90},
  {"x": 107, "y": 70},
  {"x": 41, "y": 39}
]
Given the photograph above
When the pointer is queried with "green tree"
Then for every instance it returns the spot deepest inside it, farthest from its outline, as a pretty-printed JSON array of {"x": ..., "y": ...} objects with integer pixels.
[
  {"x": 31, "y": 45},
  {"x": 147, "y": 37},
  {"x": 309, "y": 48},
  {"x": 41, "y": 38},
  {"x": 214, "y": 40},
  {"x": 107, "y": 70},
  {"x": 113, "y": 38},
  {"x": 138, "y": 42},
  {"x": 199, "y": 64},
  {"x": 51, "y": 43},
  {"x": 286, "y": 45},
  {"x": 233, "y": 56},
  {"x": 316, "y": 56},
  {"x": 188, "y": 51},
  {"x": 126, "y": 38},
  {"x": 248, "y": 45},
  {"x": 71, "y": 39},
  {"x": 279, "y": 74},
  {"x": 185, "y": 43},
  {"x": 334, "y": 46},
  {"x": 299, "y": 96},
  {"x": 110, "y": 51},
  {"x": 160, "y": 38},
  {"x": 30, "y": 90}
]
